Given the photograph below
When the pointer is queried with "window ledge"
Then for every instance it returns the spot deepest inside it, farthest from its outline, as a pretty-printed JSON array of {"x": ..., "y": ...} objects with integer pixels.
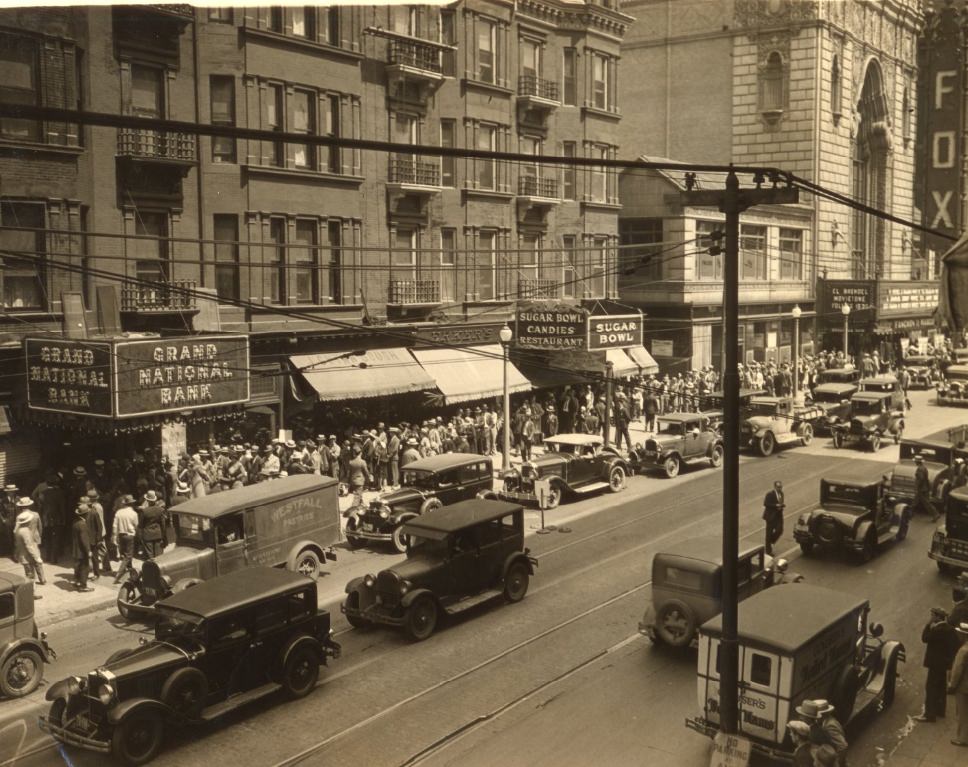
[
  {"x": 40, "y": 148},
  {"x": 301, "y": 42},
  {"x": 309, "y": 175},
  {"x": 608, "y": 114},
  {"x": 601, "y": 205},
  {"x": 470, "y": 82},
  {"x": 271, "y": 308},
  {"x": 772, "y": 116},
  {"x": 490, "y": 193}
]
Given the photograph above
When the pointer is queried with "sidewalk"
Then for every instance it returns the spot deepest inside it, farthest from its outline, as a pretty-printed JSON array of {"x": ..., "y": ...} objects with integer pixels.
[{"x": 928, "y": 744}]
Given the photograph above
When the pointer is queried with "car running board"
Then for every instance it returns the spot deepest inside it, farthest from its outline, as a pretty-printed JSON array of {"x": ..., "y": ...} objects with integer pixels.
[
  {"x": 468, "y": 602},
  {"x": 239, "y": 699},
  {"x": 589, "y": 488},
  {"x": 889, "y": 535}
]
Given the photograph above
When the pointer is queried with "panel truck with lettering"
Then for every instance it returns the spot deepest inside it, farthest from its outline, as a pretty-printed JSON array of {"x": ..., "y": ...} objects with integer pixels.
[
  {"x": 291, "y": 522},
  {"x": 797, "y": 642}
]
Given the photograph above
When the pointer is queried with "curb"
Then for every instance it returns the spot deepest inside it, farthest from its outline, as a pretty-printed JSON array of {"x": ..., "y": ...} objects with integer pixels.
[{"x": 59, "y": 616}]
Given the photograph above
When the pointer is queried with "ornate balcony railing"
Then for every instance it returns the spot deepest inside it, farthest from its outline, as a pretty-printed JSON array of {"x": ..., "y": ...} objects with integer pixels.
[
  {"x": 537, "y": 288},
  {"x": 163, "y": 297},
  {"x": 532, "y": 85},
  {"x": 156, "y": 144},
  {"x": 414, "y": 292},
  {"x": 411, "y": 53},
  {"x": 532, "y": 186},
  {"x": 405, "y": 169}
]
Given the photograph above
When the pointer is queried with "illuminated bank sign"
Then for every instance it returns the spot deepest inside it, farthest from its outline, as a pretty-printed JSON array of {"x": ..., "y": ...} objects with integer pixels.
[{"x": 69, "y": 376}]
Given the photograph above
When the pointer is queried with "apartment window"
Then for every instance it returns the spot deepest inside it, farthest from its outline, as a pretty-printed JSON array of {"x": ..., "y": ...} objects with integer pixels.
[
  {"x": 226, "y": 235},
  {"x": 334, "y": 229},
  {"x": 19, "y": 85},
  {"x": 330, "y": 26},
  {"x": 304, "y": 22},
  {"x": 600, "y": 93},
  {"x": 529, "y": 265},
  {"x": 642, "y": 254},
  {"x": 569, "y": 182},
  {"x": 486, "y": 51},
  {"x": 22, "y": 278},
  {"x": 147, "y": 91},
  {"x": 274, "y": 111},
  {"x": 771, "y": 83},
  {"x": 791, "y": 254},
  {"x": 530, "y": 52},
  {"x": 835, "y": 89},
  {"x": 569, "y": 267},
  {"x": 403, "y": 256},
  {"x": 222, "y": 96},
  {"x": 529, "y": 170},
  {"x": 304, "y": 121},
  {"x": 220, "y": 15},
  {"x": 150, "y": 254},
  {"x": 486, "y": 260},
  {"x": 597, "y": 261},
  {"x": 707, "y": 267},
  {"x": 277, "y": 21},
  {"x": 569, "y": 84},
  {"x": 448, "y": 163},
  {"x": 276, "y": 262},
  {"x": 305, "y": 259},
  {"x": 334, "y": 160},
  {"x": 486, "y": 140},
  {"x": 448, "y": 263},
  {"x": 405, "y": 20},
  {"x": 448, "y": 36},
  {"x": 752, "y": 247},
  {"x": 599, "y": 175}
]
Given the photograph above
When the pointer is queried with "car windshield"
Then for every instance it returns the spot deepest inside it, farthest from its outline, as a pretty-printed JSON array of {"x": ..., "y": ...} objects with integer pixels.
[
  {"x": 429, "y": 546},
  {"x": 884, "y": 388},
  {"x": 835, "y": 376},
  {"x": 761, "y": 408},
  {"x": 193, "y": 530},
  {"x": 828, "y": 396},
  {"x": 417, "y": 478},
  {"x": 957, "y": 375},
  {"x": 865, "y": 407},
  {"x": 173, "y": 624},
  {"x": 670, "y": 427}
]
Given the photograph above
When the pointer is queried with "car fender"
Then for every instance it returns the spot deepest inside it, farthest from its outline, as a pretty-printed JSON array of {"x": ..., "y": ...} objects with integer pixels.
[
  {"x": 354, "y": 585},
  {"x": 27, "y": 643},
  {"x": 518, "y": 556},
  {"x": 118, "y": 713},
  {"x": 300, "y": 547},
  {"x": 411, "y": 596},
  {"x": 860, "y": 533},
  {"x": 487, "y": 495},
  {"x": 297, "y": 641}
]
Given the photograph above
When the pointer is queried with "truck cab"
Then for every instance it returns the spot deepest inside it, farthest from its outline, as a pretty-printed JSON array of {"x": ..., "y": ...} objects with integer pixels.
[{"x": 949, "y": 545}]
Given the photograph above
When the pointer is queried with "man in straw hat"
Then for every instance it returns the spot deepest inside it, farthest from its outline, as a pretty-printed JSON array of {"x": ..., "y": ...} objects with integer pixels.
[
  {"x": 825, "y": 732},
  {"x": 153, "y": 524},
  {"x": 27, "y": 541},
  {"x": 958, "y": 686}
]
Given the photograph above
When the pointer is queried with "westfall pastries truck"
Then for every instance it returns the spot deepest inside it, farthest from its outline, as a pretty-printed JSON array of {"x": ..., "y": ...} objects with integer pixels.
[{"x": 797, "y": 642}]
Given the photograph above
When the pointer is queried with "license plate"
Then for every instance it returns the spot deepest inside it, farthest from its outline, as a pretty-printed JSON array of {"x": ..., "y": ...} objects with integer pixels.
[
  {"x": 651, "y": 452},
  {"x": 148, "y": 592}
]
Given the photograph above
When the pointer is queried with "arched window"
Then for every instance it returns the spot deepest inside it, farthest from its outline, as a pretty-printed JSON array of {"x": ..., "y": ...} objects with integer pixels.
[
  {"x": 771, "y": 83},
  {"x": 836, "y": 97}
]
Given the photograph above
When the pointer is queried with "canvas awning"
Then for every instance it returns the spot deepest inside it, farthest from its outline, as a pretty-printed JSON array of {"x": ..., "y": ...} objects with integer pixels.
[
  {"x": 641, "y": 357},
  {"x": 375, "y": 373},
  {"x": 475, "y": 372},
  {"x": 622, "y": 365}
]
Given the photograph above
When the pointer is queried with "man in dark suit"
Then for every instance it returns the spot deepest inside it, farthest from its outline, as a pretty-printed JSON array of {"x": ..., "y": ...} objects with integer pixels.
[
  {"x": 940, "y": 646},
  {"x": 773, "y": 505}
]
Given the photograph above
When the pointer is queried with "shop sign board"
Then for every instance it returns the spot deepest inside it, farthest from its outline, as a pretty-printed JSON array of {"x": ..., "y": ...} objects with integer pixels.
[
  {"x": 551, "y": 327},
  {"x": 857, "y": 294},
  {"x": 463, "y": 335},
  {"x": 662, "y": 347},
  {"x": 161, "y": 375},
  {"x": 69, "y": 376},
  {"x": 907, "y": 298},
  {"x": 615, "y": 331},
  {"x": 730, "y": 751}
]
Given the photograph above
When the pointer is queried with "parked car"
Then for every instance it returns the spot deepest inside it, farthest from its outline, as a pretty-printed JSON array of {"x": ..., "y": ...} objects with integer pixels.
[
  {"x": 923, "y": 369},
  {"x": 774, "y": 421},
  {"x": 949, "y": 544},
  {"x": 572, "y": 464},
  {"x": 224, "y": 643},
  {"x": 853, "y": 516},
  {"x": 711, "y": 405},
  {"x": 680, "y": 438},
  {"x": 291, "y": 522},
  {"x": 953, "y": 387},
  {"x": 23, "y": 652},
  {"x": 458, "y": 557},
  {"x": 426, "y": 485},
  {"x": 849, "y": 375},
  {"x": 797, "y": 642},
  {"x": 833, "y": 401},
  {"x": 938, "y": 450},
  {"x": 872, "y": 418},
  {"x": 687, "y": 586},
  {"x": 884, "y": 384}
]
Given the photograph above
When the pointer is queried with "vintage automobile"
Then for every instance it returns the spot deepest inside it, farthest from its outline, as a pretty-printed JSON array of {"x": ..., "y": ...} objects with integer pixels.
[
  {"x": 572, "y": 464},
  {"x": 680, "y": 438},
  {"x": 938, "y": 450},
  {"x": 777, "y": 421},
  {"x": 949, "y": 544},
  {"x": 797, "y": 642},
  {"x": 458, "y": 557},
  {"x": 291, "y": 522},
  {"x": 425, "y": 486},
  {"x": 711, "y": 405},
  {"x": 884, "y": 384},
  {"x": 849, "y": 375},
  {"x": 923, "y": 369},
  {"x": 687, "y": 586},
  {"x": 23, "y": 652},
  {"x": 224, "y": 643},
  {"x": 872, "y": 418},
  {"x": 853, "y": 516},
  {"x": 833, "y": 401},
  {"x": 953, "y": 387}
]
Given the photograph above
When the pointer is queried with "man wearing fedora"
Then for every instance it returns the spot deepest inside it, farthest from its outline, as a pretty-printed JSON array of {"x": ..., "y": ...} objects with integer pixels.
[
  {"x": 958, "y": 686},
  {"x": 153, "y": 525},
  {"x": 27, "y": 541},
  {"x": 826, "y": 732},
  {"x": 922, "y": 489},
  {"x": 124, "y": 531},
  {"x": 940, "y": 646},
  {"x": 81, "y": 540}
]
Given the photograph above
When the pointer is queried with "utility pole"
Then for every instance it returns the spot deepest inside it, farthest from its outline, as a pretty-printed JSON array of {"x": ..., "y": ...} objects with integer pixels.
[{"x": 732, "y": 201}]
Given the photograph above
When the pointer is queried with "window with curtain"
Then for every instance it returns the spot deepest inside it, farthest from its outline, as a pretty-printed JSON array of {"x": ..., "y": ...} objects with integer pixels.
[
  {"x": 486, "y": 140},
  {"x": 752, "y": 253},
  {"x": 274, "y": 121},
  {"x": 23, "y": 278},
  {"x": 304, "y": 22},
  {"x": 334, "y": 228},
  {"x": 448, "y": 263},
  {"x": 222, "y": 96},
  {"x": 19, "y": 85},
  {"x": 403, "y": 256},
  {"x": 771, "y": 83},
  {"x": 221, "y": 15},
  {"x": 147, "y": 91},
  {"x": 708, "y": 267},
  {"x": 598, "y": 175},
  {"x": 569, "y": 268},
  {"x": 331, "y": 25},
  {"x": 600, "y": 86},
  {"x": 334, "y": 159},
  {"x": 304, "y": 121},
  {"x": 528, "y": 171},
  {"x": 486, "y": 51},
  {"x": 304, "y": 256},
  {"x": 275, "y": 266},
  {"x": 530, "y": 58},
  {"x": 569, "y": 84},
  {"x": 448, "y": 164},
  {"x": 791, "y": 254},
  {"x": 529, "y": 266},
  {"x": 226, "y": 236},
  {"x": 486, "y": 260}
]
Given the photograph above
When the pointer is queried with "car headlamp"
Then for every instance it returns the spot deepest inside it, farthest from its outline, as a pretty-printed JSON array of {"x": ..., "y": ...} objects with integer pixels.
[
  {"x": 106, "y": 694},
  {"x": 404, "y": 587},
  {"x": 369, "y": 581},
  {"x": 384, "y": 512},
  {"x": 75, "y": 685}
]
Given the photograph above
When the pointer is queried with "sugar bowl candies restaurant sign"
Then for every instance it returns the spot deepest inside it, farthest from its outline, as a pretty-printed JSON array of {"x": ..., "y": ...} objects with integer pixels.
[
  {"x": 129, "y": 378},
  {"x": 571, "y": 327}
]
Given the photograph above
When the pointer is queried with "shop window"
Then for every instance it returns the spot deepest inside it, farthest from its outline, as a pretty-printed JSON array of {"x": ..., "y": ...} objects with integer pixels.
[
  {"x": 791, "y": 254},
  {"x": 23, "y": 278},
  {"x": 226, "y": 230},
  {"x": 222, "y": 95},
  {"x": 752, "y": 246},
  {"x": 19, "y": 85},
  {"x": 305, "y": 260},
  {"x": 708, "y": 267}
]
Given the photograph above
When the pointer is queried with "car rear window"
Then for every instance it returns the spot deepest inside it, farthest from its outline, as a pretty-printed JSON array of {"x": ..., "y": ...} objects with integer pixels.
[{"x": 683, "y": 579}]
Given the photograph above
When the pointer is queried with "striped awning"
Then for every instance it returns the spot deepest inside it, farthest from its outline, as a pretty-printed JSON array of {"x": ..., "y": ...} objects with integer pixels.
[
  {"x": 471, "y": 373},
  {"x": 374, "y": 373},
  {"x": 641, "y": 357}
]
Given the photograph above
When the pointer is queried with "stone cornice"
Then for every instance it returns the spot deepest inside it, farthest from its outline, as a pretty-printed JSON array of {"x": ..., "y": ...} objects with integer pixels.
[{"x": 583, "y": 16}]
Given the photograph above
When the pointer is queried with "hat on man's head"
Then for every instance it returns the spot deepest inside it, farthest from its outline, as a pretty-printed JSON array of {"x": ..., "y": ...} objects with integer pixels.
[
  {"x": 961, "y": 628},
  {"x": 918, "y": 458},
  {"x": 92, "y": 494},
  {"x": 127, "y": 498},
  {"x": 800, "y": 728},
  {"x": 814, "y": 709},
  {"x": 393, "y": 430},
  {"x": 151, "y": 496},
  {"x": 939, "y": 611},
  {"x": 10, "y": 488},
  {"x": 182, "y": 487},
  {"x": 25, "y": 502},
  {"x": 204, "y": 453},
  {"x": 99, "y": 463},
  {"x": 290, "y": 444},
  {"x": 79, "y": 471}
]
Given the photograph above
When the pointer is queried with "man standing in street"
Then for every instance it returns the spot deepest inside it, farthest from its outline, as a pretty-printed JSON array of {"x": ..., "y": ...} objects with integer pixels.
[
  {"x": 940, "y": 646},
  {"x": 8, "y": 519},
  {"x": 94, "y": 516},
  {"x": 622, "y": 419},
  {"x": 359, "y": 475},
  {"x": 124, "y": 532},
  {"x": 81, "y": 539},
  {"x": 825, "y": 731},
  {"x": 153, "y": 525},
  {"x": 922, "y": 489},
  {"x": 650, "y": 405},
  {"x": 27, "y": 542},
  {"x": 958, "y": 686},
  {"x": 773, "y": 515}
]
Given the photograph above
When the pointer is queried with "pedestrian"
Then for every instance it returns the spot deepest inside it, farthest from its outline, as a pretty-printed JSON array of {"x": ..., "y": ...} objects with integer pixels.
[
  {"x": 527, "y": 433},
  {"x": 550, "y": 426},
  {"x": 182, "y": 493},
  {"x": 359, "y": 476},
  {"x": 94, "y": 516},
  {"x": 8, "y": 519},
  {"x": 622, "y": 420},
  {"x": 940, "y": 646},
  {"x": 922, "y": 489},
  {"x": 825, "y": 731},
  {"x": 802, "y": 748},
  {"x": 27, "y": 542},
  {"x": 773, "y": 506},
  {"x": 81, "y": 540},
  {"x": 650, "y": 404},
  {"x": 152, "y": 525},
  {"x": 124, "y": 532},
  {"x": 393, "y": 456},
  {"x": 958, "y": 686}
]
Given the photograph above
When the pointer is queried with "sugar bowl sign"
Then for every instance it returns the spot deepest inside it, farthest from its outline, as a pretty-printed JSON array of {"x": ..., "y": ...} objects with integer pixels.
[
  {"x": 126, "y": 378},
  {"x": 571, "y": 327}
]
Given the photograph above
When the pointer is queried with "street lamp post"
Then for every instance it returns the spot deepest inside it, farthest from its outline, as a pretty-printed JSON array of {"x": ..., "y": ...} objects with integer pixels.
[
  {"x": 505, "y": 335},
  {"x": 845, "y": 310},
  {"x": 796, "y": 312}
]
